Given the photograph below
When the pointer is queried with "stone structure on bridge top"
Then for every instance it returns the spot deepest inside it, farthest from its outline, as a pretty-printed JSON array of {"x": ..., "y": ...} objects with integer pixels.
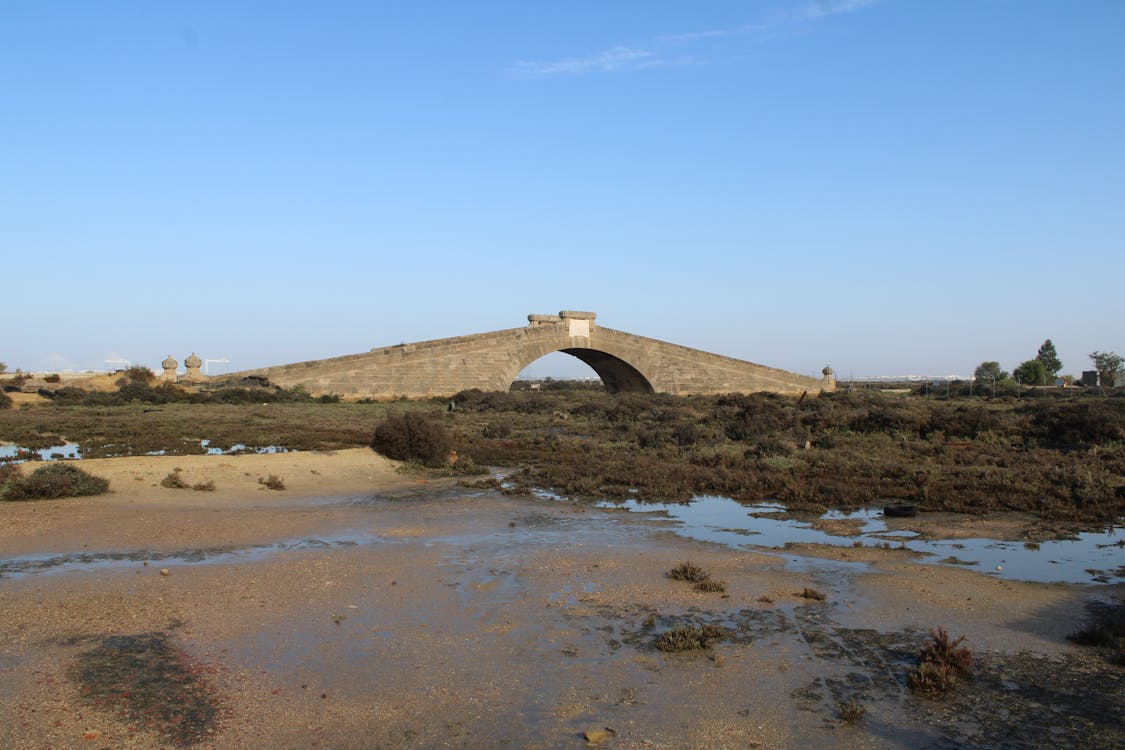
[
  {"x": 574, "y": 322},
  {"x": 491, "y": 361}
]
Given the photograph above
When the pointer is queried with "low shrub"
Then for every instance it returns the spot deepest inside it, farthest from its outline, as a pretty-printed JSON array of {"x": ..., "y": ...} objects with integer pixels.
[
  {"x": 690, "y": 572},
  {"x": 272, "y": 482},
  {"x": 413, "y": 437},
  {"x": 496, "y": 430},
  {"x": 712, "y": 586},
  {"x": 8, "y": 473},
  {"x": 5, "y": 400},
  {"x": 942, "y": 663},
  {"x": 689, "y": 638},
  {"x": 467, "y": 467},
  {"x": 140, "y": 374},
  {"x": 174, "y": 481},
  {"x": 52, "y": 481},
  {"x": 208, "y": 486},
  {"x": 702, "y": 579},
  {"x": 852, "y": 712},
  {"x": 744, "y": 417},
  {"x": 812, "y": 595},
  {"x": 768, "y": 447},
  {"x": 1078, "y": 423}
]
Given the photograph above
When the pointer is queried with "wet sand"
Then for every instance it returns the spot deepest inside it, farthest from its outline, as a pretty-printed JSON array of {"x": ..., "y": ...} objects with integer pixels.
[{"x": 416, "y": 614}]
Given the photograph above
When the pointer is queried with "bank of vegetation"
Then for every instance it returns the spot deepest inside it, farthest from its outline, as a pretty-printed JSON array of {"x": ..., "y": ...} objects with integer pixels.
[
  {"x": 1063, "y": 458},
  {"x": 1060, "y": 453}
]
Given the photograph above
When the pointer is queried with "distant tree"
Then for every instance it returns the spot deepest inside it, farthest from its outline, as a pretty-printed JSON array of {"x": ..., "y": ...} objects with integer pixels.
[
  {"x": 1031, "y": 372},
  {"x": 1107, "y": 361},
  {"x": 989, "y": 371},
  {"x": 1050, "y": 358},
  {"x": 3, "y": 367}
]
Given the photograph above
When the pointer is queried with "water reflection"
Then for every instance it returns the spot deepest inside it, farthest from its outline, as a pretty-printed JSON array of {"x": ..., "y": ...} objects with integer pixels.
[
  {"x": 1090, "y": 557},
  {"x": 17, "y": 454}
]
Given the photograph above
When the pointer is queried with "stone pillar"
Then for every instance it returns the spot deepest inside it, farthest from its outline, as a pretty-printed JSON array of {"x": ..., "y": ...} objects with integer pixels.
[
  {"x": 169, "y": 366},
  {"x": 829, "y": 382},
  {"x": 193, "y": 363}
]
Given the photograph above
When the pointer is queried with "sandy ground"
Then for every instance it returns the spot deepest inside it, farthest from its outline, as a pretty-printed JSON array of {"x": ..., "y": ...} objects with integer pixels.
[
  {"x": 138, "y": 511},
  {"x": 362, "y": 607}
]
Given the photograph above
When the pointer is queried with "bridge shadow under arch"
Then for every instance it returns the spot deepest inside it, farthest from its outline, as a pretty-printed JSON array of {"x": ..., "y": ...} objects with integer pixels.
[{"x": 617, "y": 375}]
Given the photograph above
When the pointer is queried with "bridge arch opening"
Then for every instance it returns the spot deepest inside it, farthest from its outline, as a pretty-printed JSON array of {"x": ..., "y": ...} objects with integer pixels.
[{"x": 617, "y": 375}]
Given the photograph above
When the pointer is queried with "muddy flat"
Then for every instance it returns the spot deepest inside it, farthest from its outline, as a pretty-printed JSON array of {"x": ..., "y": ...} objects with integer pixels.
[{"x": 361, "y": 607}]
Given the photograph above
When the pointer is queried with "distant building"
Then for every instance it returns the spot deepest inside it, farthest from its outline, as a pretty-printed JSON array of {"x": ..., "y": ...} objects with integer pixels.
[{"x": 1093, "y": 378}]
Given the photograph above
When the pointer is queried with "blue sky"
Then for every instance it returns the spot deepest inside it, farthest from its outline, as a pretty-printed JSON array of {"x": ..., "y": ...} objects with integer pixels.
[{"x": 888, "y": 186}]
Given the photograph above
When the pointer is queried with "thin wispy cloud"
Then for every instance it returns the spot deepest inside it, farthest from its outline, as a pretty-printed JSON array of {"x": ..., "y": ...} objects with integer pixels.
[
  {"x": 691, "y": 47},
  {"x": 696, "y": 36},
  {"x": 614, "y": 58},
  {"x": 824, "y": 8}
]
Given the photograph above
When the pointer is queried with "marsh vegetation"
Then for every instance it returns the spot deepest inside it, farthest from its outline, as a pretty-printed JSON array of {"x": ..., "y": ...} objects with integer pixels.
[{"x": 1060, "y": 455}]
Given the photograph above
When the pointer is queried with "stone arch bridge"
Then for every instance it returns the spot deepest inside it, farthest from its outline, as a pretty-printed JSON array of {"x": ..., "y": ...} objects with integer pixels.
[{"x": 491, "y": 362}]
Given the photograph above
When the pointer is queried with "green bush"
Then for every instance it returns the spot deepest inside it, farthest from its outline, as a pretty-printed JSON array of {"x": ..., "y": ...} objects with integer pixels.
[
  {"x": 52, "y": 481},
  {"x": 1031, "y": 372},
  {"x": 413, "y": 437}
]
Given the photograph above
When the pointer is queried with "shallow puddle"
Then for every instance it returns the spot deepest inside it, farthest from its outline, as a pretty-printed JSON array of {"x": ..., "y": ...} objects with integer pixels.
[
  {"x": 1090, "y": 557},
  {"x": 17, "y": 454},
  {"x": 17, "y": 567}
]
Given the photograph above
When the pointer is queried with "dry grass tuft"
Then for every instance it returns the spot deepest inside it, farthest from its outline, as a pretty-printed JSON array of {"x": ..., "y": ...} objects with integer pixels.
[
  {"x": 689, "y": 638},
  {"x": 272, "y": 482}
]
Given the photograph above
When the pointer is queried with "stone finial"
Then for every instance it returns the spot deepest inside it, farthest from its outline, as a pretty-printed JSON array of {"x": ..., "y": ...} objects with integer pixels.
[
  {"x": 829, "y": 381},
  {"x": 193, "y": 363},
  {"x": 169, "y": 366}
]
